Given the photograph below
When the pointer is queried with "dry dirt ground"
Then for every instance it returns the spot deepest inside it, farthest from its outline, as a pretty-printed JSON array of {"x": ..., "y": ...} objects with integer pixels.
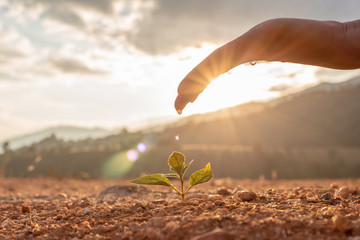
[{"x": 221, "y": 209}]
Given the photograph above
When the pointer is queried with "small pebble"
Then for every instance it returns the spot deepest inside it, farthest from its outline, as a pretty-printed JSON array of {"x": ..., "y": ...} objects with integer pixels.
[
  {"x": 341, "y": 223},
  {"x": 214, "y": 197},
  {"x": 215, "y": 235},
  {"x": 343, "y": 192},
  {"x": 334, "y": 185},
  {"x": 62, "y": 195},
  {"x": 25, "y": 209},
  {"x": 245, "y": 196},
  {"x": 7, "y": 223},
  {"x": 87, "y": 210},
  {"x": 326, "y": 196},
  {"x": 357, "y": 207},
  {"x": 223, "y": 191},
  {"x": 161, "y": 213},
  {"x": 85, "y": 224},
  {"x": 302, "y": 196},
  {"x": 159, "y": 201}
]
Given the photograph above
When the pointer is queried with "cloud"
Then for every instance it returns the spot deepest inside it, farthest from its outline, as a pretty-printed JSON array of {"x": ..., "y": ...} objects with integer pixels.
[
  {"x": 68, "y": 65},
  {"x": 173, "y": 25},
  {"x": 13, "y": 44},
  {"x": 103, "y": 6},
  {"x": 16, "y": 54},
  {"x": 7, "y": 77},
  {"x": 161, "y": 27},
  {"x": 66, "y": 16},
  {"x": 10, "y": 53}
]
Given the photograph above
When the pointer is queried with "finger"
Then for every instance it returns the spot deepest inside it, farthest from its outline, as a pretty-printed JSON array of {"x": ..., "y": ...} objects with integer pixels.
[
  {"x": 188, "y": 90},
  {"x": 194, "y": 83},
  {"x": 182, "y": 100}
]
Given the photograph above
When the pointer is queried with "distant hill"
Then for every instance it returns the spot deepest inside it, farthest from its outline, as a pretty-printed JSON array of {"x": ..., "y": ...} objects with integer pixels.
[
  {"x": 235, "y": 111},
  {"x": 61, "y": 132},
  {"x": 310, "y": 134},
  {"x": 325, "y": 115},
  {"x": 327, "y": 86}
]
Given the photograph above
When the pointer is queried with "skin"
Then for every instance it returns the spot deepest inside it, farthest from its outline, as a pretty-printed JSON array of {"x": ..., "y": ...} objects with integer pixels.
[{"x": 327, "y": 44}]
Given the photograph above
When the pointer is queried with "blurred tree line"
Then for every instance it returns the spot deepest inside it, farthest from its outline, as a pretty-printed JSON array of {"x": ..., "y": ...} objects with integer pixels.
[{"x": 314, "y": 135}]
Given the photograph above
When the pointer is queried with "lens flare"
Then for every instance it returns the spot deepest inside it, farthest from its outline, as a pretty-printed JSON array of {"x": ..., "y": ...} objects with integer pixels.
[
  {"x": 30, "y": 168},
  {"x": 132, "y": 155},
  {"x": 117, "y": 165},
  {"x": 141, "y": 147}
]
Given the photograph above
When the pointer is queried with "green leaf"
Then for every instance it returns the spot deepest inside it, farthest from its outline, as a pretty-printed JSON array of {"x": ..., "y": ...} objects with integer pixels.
[
  {"x": 186, "y": 167},
  {"x": 201, "y": 176},
  {"x": 176, "y": 162},
  {"x": 153, "y": 179}
]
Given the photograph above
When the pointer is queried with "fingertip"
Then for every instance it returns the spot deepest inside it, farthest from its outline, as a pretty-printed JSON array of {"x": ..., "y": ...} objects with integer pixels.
[
  {"x": 182, "y": 100},
  {"x": 180, "y": 104}
]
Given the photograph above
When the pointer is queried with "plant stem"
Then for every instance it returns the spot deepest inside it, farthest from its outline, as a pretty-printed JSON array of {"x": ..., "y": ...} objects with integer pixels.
[{"x": 182, "y": 189}]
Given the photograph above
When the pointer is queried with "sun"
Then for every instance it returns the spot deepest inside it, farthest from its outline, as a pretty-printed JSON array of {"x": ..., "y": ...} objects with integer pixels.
[{"x": 240, "y": 85}]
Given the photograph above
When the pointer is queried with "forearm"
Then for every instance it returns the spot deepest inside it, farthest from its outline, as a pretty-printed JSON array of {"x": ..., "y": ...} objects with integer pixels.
[{"x": 321, "y": 43}]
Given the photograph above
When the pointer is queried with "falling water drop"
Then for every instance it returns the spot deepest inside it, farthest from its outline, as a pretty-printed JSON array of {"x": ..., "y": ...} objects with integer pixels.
[
  {"x": 253, "y": 63},
  {"x": 177, "y": 137},
  {"x": 179, "y": 111}
]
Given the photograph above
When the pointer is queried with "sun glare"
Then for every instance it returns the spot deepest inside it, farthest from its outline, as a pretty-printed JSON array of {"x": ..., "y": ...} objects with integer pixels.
[{"x": 250, "y": 83}]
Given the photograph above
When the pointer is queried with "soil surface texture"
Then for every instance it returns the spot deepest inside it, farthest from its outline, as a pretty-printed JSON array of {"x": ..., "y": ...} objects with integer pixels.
[{"x": 47, "y": 208}]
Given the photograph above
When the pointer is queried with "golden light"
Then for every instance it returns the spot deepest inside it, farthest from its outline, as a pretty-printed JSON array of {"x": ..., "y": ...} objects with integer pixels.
[{"x": 250, "y": 83}]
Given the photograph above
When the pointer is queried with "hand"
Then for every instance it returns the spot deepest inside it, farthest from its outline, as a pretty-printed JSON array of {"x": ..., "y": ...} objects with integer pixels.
[{"x": 320, "y": 43}]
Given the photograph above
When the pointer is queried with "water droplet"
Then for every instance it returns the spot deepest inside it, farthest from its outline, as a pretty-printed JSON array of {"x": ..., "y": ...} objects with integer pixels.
[
  {"x": 177, "y": 137},
  {"x": 253, "y": 63},
  {"x": 179, "y": 111}
]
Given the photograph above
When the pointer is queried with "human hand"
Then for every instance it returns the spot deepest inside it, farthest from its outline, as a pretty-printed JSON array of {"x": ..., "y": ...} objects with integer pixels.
[{"x": 320, "y": 43}]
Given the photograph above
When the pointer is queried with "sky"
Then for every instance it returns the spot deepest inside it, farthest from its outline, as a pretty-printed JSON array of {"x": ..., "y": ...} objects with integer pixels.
[{"x": 114, "y": 63}]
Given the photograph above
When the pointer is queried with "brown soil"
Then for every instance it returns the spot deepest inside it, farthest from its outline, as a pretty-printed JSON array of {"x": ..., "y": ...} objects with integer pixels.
[{"x": 221, "y": 209}]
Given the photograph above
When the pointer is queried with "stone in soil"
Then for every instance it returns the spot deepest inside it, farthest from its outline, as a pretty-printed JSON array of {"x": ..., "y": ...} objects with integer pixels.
[
  {"x": 342, "y": 223},
  {"x": 216, "y": 235},
  {"x": 343, "y": 192},
  {"x": 223, "y": 191},
  {"x": 25, "y": 209},
  {"x": 245, "y": 196}
]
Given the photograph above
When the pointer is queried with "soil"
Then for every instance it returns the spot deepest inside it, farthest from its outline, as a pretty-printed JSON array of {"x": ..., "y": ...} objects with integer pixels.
[{"x": 221, "y": 209}]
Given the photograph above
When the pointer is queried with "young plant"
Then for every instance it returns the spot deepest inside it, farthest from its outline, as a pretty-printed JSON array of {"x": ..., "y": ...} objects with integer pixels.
[{"x": 178, "y": 167}]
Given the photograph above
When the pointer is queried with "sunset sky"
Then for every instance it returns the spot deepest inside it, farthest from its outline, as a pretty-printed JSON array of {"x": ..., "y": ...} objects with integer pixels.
[{"x": 112, "y": 63}]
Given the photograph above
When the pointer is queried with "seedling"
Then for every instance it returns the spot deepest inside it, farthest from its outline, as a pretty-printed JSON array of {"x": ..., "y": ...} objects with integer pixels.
[{"x": 178, "y": 167}]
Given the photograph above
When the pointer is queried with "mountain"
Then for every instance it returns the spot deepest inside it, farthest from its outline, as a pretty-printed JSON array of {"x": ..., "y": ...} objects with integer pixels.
[
  {"x": 61, "y": 132},
  {"x": 327, "y": 86},
  {"x": 325, "y": 115},
  {"x": 322, "y": 87},
  {"x": 235, "y": 111}
]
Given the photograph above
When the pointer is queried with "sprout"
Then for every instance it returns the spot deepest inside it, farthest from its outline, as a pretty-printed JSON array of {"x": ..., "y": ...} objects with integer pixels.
[{"x": 178, "y": 167}]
